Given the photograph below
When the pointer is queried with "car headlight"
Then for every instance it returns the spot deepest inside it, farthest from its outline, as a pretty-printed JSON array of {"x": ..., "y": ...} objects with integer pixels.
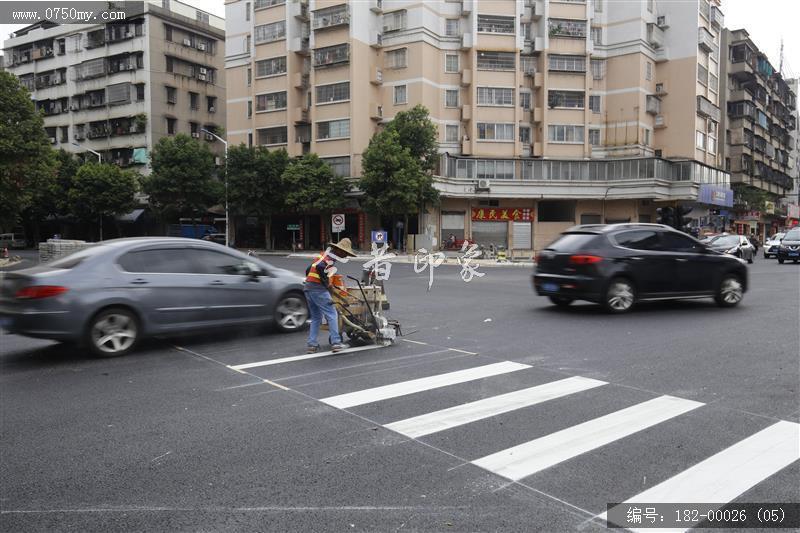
[{"x": 732, "y": 250}]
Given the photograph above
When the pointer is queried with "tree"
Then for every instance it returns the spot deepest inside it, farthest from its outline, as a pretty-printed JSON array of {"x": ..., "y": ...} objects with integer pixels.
[
  {"x": 311, "y": 185},
  {"x": 25, "y": 153},
  {"x": 254, "y": 182},
  {"x": 749, "y": 197},
  {"x": 182, "y": 182},
  {"x": 102, "y": 190},
  {"x": 417, "y": 133}
]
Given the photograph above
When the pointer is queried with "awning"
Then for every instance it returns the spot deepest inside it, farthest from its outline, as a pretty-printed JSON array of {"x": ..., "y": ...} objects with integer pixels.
[{"x": 133, "y": 216}]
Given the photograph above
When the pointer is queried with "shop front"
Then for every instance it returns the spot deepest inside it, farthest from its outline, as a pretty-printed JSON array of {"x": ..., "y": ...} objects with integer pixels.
[{"x": 712, "y": 209}]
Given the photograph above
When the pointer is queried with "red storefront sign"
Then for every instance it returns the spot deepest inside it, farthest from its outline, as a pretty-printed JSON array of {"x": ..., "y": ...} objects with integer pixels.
[
  {"x": 496, "y": 213},
  {"x": 362, "y": 224}
]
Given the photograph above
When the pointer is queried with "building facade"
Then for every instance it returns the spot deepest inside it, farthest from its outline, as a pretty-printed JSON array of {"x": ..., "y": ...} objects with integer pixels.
[
  {"x": 759, "y": 120},
  {"x": 115, "y": 89},
  {"x": 549, "y": 112},
  {"x": 792, "y": 201}
]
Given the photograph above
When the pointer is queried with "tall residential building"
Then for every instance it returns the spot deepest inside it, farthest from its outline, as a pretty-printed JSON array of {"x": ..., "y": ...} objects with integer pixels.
[
  {"x": 550, "y": 113},
  {"x": 117, "y": 88},
  {"x": 759, "y": 120},
  {"x": 793, "y": 199}
]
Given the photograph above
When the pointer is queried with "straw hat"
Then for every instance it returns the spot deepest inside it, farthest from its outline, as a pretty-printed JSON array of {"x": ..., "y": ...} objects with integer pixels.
[{"x": 344, "y": 245}]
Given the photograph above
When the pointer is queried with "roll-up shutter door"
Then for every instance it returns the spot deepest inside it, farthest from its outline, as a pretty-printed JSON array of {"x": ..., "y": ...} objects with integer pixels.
[
  {"x": 487, "y": 233},
  {"x": 452, "y": 222},
  {"x": 522, "y": 236}
]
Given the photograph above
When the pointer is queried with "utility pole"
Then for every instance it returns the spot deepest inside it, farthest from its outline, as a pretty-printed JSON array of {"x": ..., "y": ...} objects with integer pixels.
[{"x": 227, "y": 218}]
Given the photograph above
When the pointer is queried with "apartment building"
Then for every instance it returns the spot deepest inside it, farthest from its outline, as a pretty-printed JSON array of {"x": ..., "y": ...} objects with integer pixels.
[
  {"x": 759, "y": 121},
  {"x": 111, "y": 91},
  {"x": 550, "y": 112}
]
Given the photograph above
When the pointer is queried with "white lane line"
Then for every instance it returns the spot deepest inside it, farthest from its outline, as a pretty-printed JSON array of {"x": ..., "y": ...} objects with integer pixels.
[
  {"x": 404, "y": 388},
  {"x": 528, "y": 458},
  {"x": 731, "y": 472},
  {"x": 428, "y": 423},
  {"x": 294, "y": 358}
]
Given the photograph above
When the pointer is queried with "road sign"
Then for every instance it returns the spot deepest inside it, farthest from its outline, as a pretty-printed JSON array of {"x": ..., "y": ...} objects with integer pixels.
[
  {"x": 379, "y": 236},
  {"x": 337, "y": 223},
  {"x": 293, "y": 227}
]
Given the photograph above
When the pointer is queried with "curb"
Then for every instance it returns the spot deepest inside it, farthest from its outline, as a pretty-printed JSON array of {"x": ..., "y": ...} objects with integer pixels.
[{"x": 452, "y": 261}]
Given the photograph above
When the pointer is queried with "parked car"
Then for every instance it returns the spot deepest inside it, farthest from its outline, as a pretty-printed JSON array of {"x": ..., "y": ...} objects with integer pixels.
[
  {"x": 12, "y": 241},
  {"x": 113, "y": 294},
  {"x": 771, "y": 245},
  {"x": 218, "y": 238},
  {"x": 618, "y": 265},
  {"x": 735, "y": 245},
  {"x": 789, "y": 248}
]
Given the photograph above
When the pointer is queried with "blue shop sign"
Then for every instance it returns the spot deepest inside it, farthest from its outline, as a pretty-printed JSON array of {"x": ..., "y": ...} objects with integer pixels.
[{"x": 715, "y": 195}]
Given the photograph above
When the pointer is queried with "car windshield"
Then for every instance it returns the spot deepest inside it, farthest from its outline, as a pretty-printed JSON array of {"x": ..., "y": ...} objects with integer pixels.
[
  {"x": 777, "y": 237},
  {"x": 725, "y": 240},
  {"x": 76, "y": 258},
  {"x": 793, "y": 235},
  {"x": 571, "y": 242}
]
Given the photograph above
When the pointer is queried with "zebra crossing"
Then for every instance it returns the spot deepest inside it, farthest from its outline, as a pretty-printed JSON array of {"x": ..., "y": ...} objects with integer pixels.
[{"x": 720, "y": 477}]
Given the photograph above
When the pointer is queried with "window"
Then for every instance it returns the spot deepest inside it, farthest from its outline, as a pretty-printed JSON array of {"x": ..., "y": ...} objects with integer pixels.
[
  {"x": 638, "y": 240},
  {"x": 495, "y": 24},
  {"x": 139, "y": 92},
  {"x": 594, "y": 136},
  {"x": 339, "y": 165},
  {"x": 566, "y": 28},
  {"x": 525, "y": 100},
  {"x": 594, "y": 103},
  {"x": 451, "y": 63},
  {"x": 172, "y": 95},
  {"x": 266, "y": 33},
  {"x": 702, "y": 74},
  {"x": 334, "y": 129},
  {"x": 332, "y": 55},
  {"x": 488, "y": 131},
  {"x": 525, "y": 134},
  {"x": 201, "y": 16},
  {"x": 331, "y": 16},
  {"x": 648, "y": 71},
  {"x": 249, "y": 108},
  {"x": 211, "y": 104},
  {"x": 271, "y": 102},
  {"x": 569, "y": 99},
  {"x": 495, "y": 169},
  {"x": 397, "y": 58},
  {"x": 268, "y": 136},
  {"x": 496, "y": 60},
  {"x": 194, "y": 127},
  {"x": 565, "y": 134},
  {"x": 248, "y": 43},
  {"x": 567, "y": 63},
  {"x": 597, "y": 35},
  {"x": 451, "y": 98},
  {"x": 194, "y": 101},
  {"x": 700, "y": 140},
  {"x": 250, "y": 138},
  {"x": 271, "y": 67},
  {"x": 562, "y": 211},
  {"x": 598, "y": 69},
  {"x": 675, "y": 242},
  {"x": 171, "y": 125},
  {"x": 336, "y": 92},
  {"x": 400, "y": 95},
  {"x": 495, "y": 96},
  {"x": 451, "y": 133},
  {"x": 247, "y": 11},
  {"x": 451, "y": 28},
  {"x": 646, "y": 137},
  {"x": 396, "y": 20},
  {"x": 167, "y": 32}
]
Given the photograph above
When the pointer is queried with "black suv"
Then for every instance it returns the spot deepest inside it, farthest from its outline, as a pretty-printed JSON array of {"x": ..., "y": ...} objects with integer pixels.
[
  {"x": 617, "y": 265},
  {"x": 789, "y": 248}
]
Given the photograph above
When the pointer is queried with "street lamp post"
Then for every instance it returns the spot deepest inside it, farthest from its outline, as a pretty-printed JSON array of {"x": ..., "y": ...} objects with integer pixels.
[{"x": 227, "y": 220}]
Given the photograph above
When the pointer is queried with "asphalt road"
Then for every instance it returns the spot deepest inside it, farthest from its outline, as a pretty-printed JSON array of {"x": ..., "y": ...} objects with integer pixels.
[{"x": 173, "y": 439}]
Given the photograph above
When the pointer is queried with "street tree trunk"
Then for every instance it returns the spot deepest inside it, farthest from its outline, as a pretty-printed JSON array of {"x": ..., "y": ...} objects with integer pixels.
[{"x": 267, "y": 228}]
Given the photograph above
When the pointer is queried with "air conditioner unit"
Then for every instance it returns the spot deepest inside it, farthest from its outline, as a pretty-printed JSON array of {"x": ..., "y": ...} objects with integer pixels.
[
  {"x": 187, "y": 42},
  {"x": 195, "y": 135},
  {"x": 201, "y": 77},
  {"x": 660, "y": 90},
  {"x": 201, "y": 47},
  {"x": 209, "y": 137},
  {"x": 483, "y": 185},
  {"x": 203, "y": 70},
  {"x": 661, "y": 21},
  {"x": 52, "y": 140},
  {"x": 212, "y": 109}
]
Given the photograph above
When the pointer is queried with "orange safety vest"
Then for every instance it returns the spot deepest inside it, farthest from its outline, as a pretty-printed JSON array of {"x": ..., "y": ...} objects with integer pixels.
[{"x": 313, "y": 275}]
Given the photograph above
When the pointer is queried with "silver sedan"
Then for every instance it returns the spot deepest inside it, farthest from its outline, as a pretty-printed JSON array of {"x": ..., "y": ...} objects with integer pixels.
[{"x": 112, "y": 294}]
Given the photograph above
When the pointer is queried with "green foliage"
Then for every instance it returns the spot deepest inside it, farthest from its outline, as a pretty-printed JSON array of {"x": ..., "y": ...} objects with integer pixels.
[
  {"x": 182, "y": 182},
  {"x": 26, "y": 161},
  {"x": 393, "y": 180},
  {"x": 417, "y": 133},
  {"x": 100, "y": 190},
  {"x": 254, "y": 180},
  {"x": 749, "y": 197},
  {"x": 310, "y": 184}
]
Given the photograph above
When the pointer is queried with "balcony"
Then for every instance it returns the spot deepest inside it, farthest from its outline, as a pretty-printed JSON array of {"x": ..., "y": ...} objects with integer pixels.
[
  {"x": 660, "y": 122},
  {"x": 466, "y": 112},
  {"x": 42, "y": 53},
  {"x": 466, "y": 77},
  {"x": 653, "y": 105},
  {"x": 707, "y": 109},
  {"x": 706, "y": 40},
  {"x": 655, "y": 36},
  {"x": 300, "y": 115},
  {"x": 331, "y": 17},
  {"x": 717, "y": 18}
]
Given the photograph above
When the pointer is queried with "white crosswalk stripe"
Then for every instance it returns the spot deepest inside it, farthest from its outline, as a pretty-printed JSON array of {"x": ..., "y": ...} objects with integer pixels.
[
  {"x": 295, "y": 358},
  {"x": 426, "y": 424},
  {"x": 729, "y": 473},
  {"x": 404, "y": 388},
  {"x": 528, "y": 458}
]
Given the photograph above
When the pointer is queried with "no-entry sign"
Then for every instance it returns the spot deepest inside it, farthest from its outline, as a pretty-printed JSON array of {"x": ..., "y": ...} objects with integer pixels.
[{"x": 337, "y": 223}]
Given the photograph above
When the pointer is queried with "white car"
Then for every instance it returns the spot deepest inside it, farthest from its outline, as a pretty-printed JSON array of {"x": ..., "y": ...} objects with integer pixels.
[{"x": 771, "y": 246}]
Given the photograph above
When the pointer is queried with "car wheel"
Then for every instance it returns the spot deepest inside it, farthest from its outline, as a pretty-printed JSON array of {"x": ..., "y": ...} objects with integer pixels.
[
  {"x": 766, "y": 255},
  {"x": 780, "y": 260},
  {"x": 730, "y": 291},
  {"x": 561, "y": 301},
  {"x": 620, "y": 296},
  {"x": 113, "y": 332},
  {"x": 291, "y": 313}
]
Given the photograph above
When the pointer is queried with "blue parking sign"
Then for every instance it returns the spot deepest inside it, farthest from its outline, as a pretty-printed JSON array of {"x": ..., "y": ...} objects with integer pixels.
[{"x": 379, "y": 237}]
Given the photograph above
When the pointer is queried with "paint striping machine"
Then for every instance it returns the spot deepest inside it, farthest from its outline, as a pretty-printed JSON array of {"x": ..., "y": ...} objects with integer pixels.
[{"x": 360, "y": 306}]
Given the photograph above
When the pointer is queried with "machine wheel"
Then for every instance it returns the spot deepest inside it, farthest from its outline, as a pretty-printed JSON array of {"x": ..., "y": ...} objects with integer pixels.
[
  {"x": 291, "y": 312},
  {"x": 730, "y": 291},
  {"x": 113, "y": 332},
  {"x": 561, "y": 301},
  {"x": 750, "y": 259},
  {"x": 620, "y": 296}
]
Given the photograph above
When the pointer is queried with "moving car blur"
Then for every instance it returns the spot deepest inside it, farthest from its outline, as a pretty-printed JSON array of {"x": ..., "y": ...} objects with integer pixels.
[
  {"x": 111, "y": 295},
  {"x": 789, "y": 248},
  {"x": 735, "y": 245},
  {"x": 771, "y": 245},
  {"x": 618, "y": 265}
]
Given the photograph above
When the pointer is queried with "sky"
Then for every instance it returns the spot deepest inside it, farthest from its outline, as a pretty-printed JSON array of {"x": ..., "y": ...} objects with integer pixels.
[{"x": 767, "y": 21}]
